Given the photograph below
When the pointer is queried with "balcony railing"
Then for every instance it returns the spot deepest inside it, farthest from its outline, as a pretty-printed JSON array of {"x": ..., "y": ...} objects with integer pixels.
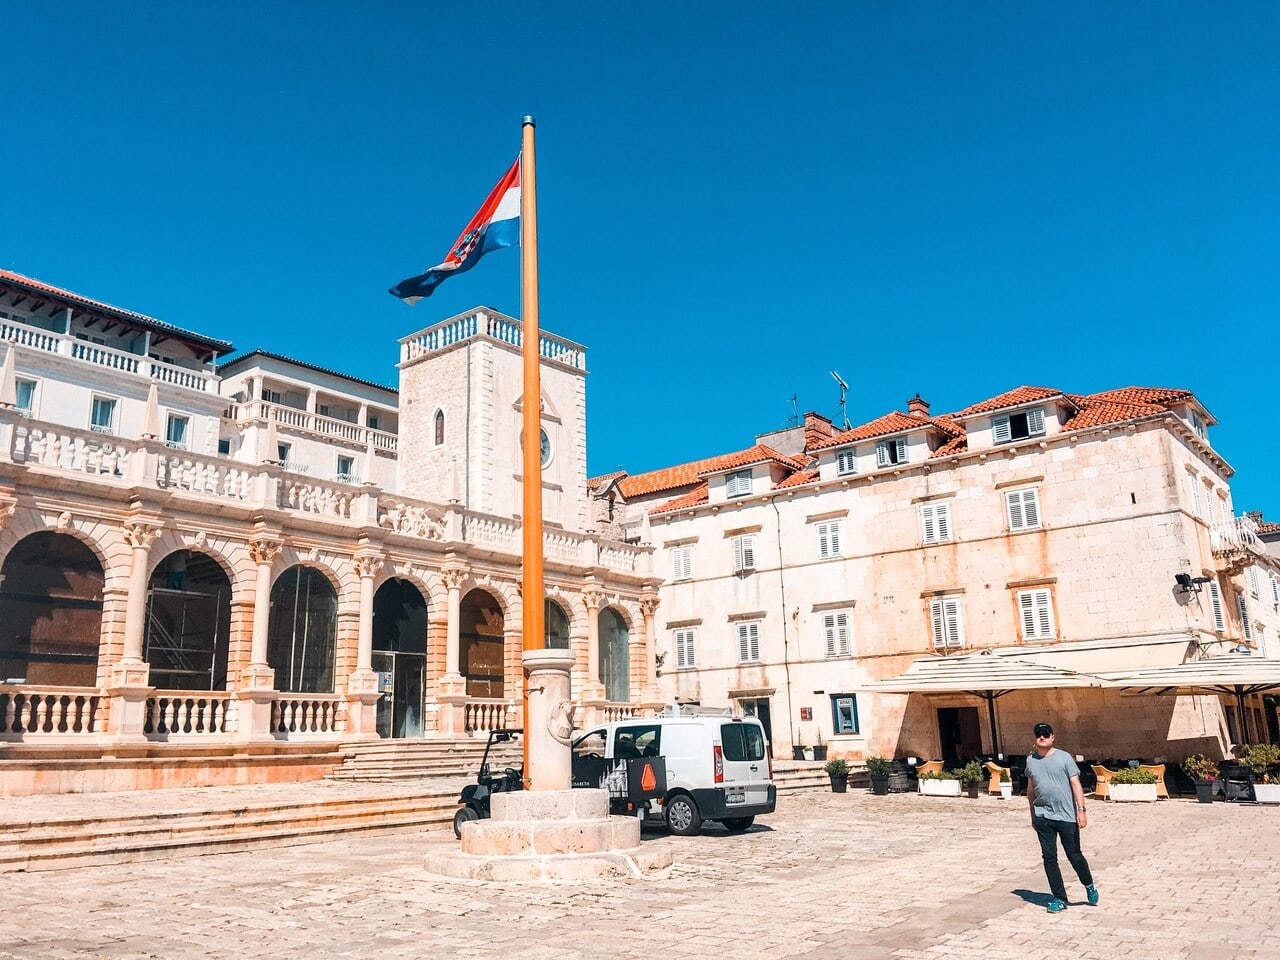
[
  {"x": 493, "y": 326},
  {"x": 1236, "y": 543},
  {"x": 99, "y": 355},
  {"x": 304, "y": 421}
]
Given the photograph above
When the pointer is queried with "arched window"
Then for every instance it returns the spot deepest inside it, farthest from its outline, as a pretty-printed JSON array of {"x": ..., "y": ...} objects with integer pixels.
[
  {"x": 439, "y": 428},
  {"x": 188, "y": 620},
  {"x": 615, "y": 656},
  {"x": 400, "y": 657},
  {"x": 481, "y": 636},
  {"x": 50, "y": 612},
  {"x": 557, "y": 626},
  {"x": 302, "y": 631}
]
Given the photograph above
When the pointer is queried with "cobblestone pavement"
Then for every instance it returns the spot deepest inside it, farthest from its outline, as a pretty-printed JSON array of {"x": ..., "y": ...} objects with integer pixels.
[{"x": 828, "y": 876}]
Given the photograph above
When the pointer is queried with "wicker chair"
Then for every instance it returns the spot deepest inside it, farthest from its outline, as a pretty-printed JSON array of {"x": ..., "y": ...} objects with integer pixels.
[
  {"x": 1102, "y": 790},
  {"x": 993, "y": 785},
  {"x": 929, "y": 766},
  {"x": 1158, "y": 770}
]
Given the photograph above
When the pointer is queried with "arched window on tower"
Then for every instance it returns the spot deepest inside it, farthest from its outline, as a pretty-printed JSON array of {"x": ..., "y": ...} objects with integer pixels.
[{"x": 439, "y": 428}]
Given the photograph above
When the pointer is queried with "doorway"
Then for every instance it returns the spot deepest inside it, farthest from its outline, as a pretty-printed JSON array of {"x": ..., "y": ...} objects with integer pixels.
[
  {"x": 400, "y": 657},
  {"x": 959, "y": 733},
  {"x": 758, "y": 707}
]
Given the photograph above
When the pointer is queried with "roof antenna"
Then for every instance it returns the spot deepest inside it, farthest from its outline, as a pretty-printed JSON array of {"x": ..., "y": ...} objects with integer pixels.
[
  {"x": 844, "y": 410},
  {"x": 795, "y": 413}
]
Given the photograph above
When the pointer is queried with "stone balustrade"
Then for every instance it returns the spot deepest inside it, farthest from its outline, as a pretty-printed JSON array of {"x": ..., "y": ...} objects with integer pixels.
[
  {"x": 56, "y": 711},
  {"x": 183, "y": 713},
  {"x": 296, "y": 715},
  {"x": 305, "y": 421},
  {"x": 481, "y": 716},
  {"x": 491, "y": 326}
]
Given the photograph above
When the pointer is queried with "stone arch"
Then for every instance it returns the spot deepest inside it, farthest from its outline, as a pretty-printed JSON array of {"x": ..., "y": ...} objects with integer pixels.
[
  {"x": 51, "y": 603},
  {"x": 615, "y": 653},
  {"x": 186, "y": 633},
  {"x": 557, "y": 624},
  {"x": 482, "y": 632},
  {"x": 302, "y": 630},
  {"x": 170, "y": 540},
  {"x": 400, "y": 613},
  {"x": 438, "y": 434}
]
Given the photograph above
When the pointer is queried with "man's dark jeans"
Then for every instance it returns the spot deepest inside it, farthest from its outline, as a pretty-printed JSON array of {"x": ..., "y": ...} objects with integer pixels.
[{"x": 1048, "y": 831}]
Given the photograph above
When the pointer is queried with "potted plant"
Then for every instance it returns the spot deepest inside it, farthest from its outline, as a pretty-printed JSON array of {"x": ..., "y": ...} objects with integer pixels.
[
  {"x": 838, "y": 770},
  {"x": 1204, "y": 772},
  {"x": 1133, "y": 783},
  {"x": 1006, "y": 785},
  {"x": 798, "y": 749},
  {"x": 943, "y": 783},
  {"x": 970, "y": 775},
  {"x": 819, "y": 748},
  {"x": 1262, "y": 759},
  {"x": 878, "y": 769}
]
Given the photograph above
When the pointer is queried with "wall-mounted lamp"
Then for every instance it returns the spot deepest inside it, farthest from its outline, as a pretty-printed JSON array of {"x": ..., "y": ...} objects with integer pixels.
[{"x": 1186, "y": 583}]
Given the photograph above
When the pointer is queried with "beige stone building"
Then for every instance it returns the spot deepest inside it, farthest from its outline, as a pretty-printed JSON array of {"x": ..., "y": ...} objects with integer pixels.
[
  {"x": 220, "y": 573},
  {"x": 1094, "y": 534}
]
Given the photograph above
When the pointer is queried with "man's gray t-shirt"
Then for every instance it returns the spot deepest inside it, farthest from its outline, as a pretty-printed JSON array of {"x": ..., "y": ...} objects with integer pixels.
[{"x": 1052, "y": 775}]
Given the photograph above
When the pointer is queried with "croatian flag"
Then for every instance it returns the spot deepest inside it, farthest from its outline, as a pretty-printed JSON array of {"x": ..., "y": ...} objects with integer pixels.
[{"x": 496, "y": 224}]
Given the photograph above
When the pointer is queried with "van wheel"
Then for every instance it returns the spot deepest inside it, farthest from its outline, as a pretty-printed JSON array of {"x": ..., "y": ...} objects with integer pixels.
[
  {"x": 461, "y": 817},
  {"x": 737, "y": 824},
  {"x": 683, "y": 818}
]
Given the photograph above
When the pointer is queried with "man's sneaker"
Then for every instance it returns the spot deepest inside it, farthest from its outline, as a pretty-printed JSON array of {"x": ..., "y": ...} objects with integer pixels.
[
  {"x": 1056, "y": 905},
  {"x": 1092, "y": 892}
]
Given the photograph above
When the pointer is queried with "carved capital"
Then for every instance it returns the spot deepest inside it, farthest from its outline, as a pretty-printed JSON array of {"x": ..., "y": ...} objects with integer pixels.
[
  {"x": 649, "y": 606},
  {"x": 594, "y": 599},
  {"x": 141, "y": 533},
  {"x": 264, "y": 550},
  {"x": 368, "y": 565},
  {"x": 453, "y": 577}
]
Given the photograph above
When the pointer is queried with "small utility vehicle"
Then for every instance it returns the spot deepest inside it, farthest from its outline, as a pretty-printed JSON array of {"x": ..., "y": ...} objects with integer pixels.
[{"x": 477, "y": 797}]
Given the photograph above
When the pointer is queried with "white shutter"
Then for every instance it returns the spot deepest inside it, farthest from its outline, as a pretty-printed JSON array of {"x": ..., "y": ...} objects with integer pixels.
[
  {"x": 1014, "y": 502},
  {"x": 1035, "y": 421},
  {"x": 938, "y": 624},
  {"x": 935, "y": 522},
  {"x": 943, "y": 515},
  {"x": 684, "y": 649},
  {"x": 928, "y": 530},
  {"x": 882, "y": 454},
  {"x": 1243, "y": 606},
  {"x": 1026, "y": 607},
  {"x": 1036, "y": 608},
  {"x": 829, "y": 539},
  {"x": 833, "y": 532},
  {"x": 749, "y": 642},
  {"x": 835, "y": 626},
  {"x": 1024, "y": 509},
  {"x": 900, "y": 450},
  {"x": 829, "y": 628},
  {"x": 955, "y": 637},
  {"x": 1031, "y": 508},
  {"x": 1275, "y": 592},
  {"x": 1253, "y": 580},
  {"x": 1195, "y": 496},
  {"x": 944, "y": 618},
  {"x": 1000, "y": 429},
  {"x": 846, "y": 462},
  {"x": 682, "y": 563},
  {"x": 1215, "y": 606},
  {"x": 744, "y": 553}
]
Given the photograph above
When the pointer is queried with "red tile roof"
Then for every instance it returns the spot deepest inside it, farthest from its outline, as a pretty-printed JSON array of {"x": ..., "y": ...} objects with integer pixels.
[
  {"x": 1164, "y": 395},
  {"x": 687, "y": 474},
  {"x": 1010, "y": 398},
  {"x": 695, "y": 497},
  {"x": 1267, "y": 526},
  {"x": 595, "y": 483},
  {"x": 76, "y": 300},
  {"x": 1094, "y": 413},
  {"x": 892, "y": 422},
  {"x": 798, "y": 478}
]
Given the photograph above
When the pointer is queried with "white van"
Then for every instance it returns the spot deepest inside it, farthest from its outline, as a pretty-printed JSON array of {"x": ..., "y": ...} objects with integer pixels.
[{"x": 718, "y": 767}]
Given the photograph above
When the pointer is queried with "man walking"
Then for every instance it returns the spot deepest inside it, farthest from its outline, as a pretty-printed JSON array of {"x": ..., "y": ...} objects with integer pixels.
[{"x": 1057, "y": 810}]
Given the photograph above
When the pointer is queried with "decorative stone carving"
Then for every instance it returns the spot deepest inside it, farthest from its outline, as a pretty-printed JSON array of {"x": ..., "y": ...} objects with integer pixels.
[
  {"x": 560, "y": 722},
  {"x": 141, "y": 533},
  {"x": 594, "y": 599},
  {"x": 264, "y": 550},
  {"x": 367, "y": 566},
  {"x": 414, "y": 521},
  {"x": 649, "y": 606},
  {"x": 64, "y": 520},
  {"x": 453, "y": 577}
]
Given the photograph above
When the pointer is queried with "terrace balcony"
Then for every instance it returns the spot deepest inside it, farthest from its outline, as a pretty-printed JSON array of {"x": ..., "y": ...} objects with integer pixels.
[
  {"x": 1236, "y": 544},
  {"x": 305, "y": 421},
  {"x": 491, "y": 325}
]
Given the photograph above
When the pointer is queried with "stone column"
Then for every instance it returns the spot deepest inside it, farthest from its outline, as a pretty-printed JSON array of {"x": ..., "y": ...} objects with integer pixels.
[
  {"x": 550, "y": 719},
  {"x": 592, "y": 689},
  {"x": 649, "y": 690},
  {"x": 451, "y": 720},
  {"x": 129, "y": 684},
  {"x": 258, "y": 680},
  {"x": 362, "y": 685}
]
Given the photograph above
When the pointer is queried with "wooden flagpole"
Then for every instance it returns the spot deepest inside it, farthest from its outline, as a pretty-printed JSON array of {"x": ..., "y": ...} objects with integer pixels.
[{"x": 531, "y": 579}]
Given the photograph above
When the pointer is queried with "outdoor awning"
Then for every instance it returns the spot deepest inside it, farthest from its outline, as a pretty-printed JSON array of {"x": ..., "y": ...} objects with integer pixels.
[{"x": 1228, "y": 675}]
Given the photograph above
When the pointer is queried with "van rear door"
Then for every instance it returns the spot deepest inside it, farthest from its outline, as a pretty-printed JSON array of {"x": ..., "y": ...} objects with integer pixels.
[{"x": 746, "y": 771}]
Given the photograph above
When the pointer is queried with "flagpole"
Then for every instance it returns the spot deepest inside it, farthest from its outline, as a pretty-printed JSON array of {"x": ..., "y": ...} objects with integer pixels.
[{"x": 531, "y": 580}]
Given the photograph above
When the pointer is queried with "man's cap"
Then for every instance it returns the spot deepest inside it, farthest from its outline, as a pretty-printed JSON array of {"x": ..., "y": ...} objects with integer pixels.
[{"x": 1043, "y": 730}]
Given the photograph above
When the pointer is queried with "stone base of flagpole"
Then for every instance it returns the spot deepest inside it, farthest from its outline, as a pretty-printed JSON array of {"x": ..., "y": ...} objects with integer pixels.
[{"x": 550, "y": 832}]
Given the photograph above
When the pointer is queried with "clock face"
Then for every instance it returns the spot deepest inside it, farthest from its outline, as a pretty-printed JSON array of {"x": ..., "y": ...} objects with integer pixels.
[{"x": 544, "y": 447}]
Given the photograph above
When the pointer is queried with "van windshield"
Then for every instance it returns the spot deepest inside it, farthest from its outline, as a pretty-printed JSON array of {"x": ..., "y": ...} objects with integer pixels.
[{"x": 742, "y": 741}]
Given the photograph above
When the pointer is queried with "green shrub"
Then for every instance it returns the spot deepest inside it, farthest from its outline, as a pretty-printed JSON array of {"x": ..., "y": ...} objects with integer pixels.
[
  {"x": 970, "y": 773},
  {"x": 1004, "y": 775},
  {"x": 1200, "y": 768},
  {"x": 941, "y": 775},
  {"x": 878, "y": 766},
  {"x": 836, "y": 767},
  {"x": 1134, "y": 775},
  {"x": 1260, "y": 758}
]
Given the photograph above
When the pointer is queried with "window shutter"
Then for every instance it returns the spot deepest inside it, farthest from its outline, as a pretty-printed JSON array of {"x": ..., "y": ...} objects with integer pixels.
[
  {"x": 1000, "y": 429},
  {"x": 951, "y": 609},
  {"x": 1031, "y": 509},
  {"x": 1044, "y": 614},
  {"x": 846, "y": 462},
  {"x": 1195, "y": 496},
  {"x": 928, "y": 532},
  {"x": 882, "y": 454},
  {"x": 900, "y": 450},
  {"x": 942, "y": 513},
  {"x": 1027, "y": 605},
  {"x": 1215, "y": 606},
  {"x": 833, "y": 532},
  {"x": 748, "y": 642},
  {"x": 1243, "y": 606},
  {"x": 1014, "y": 501},
  {"x": 829, "y": 539},
  {"x": 681, "y": 563},
  {"x": 684, "y": 648},
  {"x": 843, "y": 645},
  {"x": 1035, "y": 421},
  {"x": 748, "y": 553},
  {"x": 829, "y": 627},
  {"x": 824, "y": 544},
  {"x": 938, "y": 623},
  {"x": 1275, "y": 592},
  {"x": 1253, "y": 580}
]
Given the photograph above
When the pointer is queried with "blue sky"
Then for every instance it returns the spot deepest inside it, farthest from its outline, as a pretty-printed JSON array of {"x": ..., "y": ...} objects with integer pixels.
[{"x": 734, "y": 199}]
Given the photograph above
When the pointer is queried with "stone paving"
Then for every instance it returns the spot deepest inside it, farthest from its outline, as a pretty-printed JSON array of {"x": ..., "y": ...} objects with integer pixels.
[{"x": 828, "y": 876}]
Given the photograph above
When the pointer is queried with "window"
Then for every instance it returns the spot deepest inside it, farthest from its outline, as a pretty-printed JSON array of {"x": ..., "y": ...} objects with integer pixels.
[
  {"x": 742, "y": 742},
  {"x": 271, "y": 396},
  {"x": 935, "y": 522},
  {"x": 891, "y": 452},
  {"x": 1245, "y": 626},
  {"x": 224, "y": 447},
  {"x": 1215, "y": 607},
  {"x": 372, "y": 422},
  {"x": 323, "y": 410},
  {"x": 1253, "y": 580},
  {"x": 175, "y": 432},
  {"x": 1195, "y": 495},
  {"x": 1197, "y": 424},
  {"x": 439, "y": 427},
  {"x": 686, "y": 655},
  {"x": 944, "y": 617},
  {"x": 102, "y": 417},
  {"x": 846, "y": 462},
  {"x": 835, "y": 626},
  {"x": 26, "y": 396},
  {"x": 828, "y": 539},
  {"x": 1036, "y": 610},
  {"x": 744, "y": 553},
  {"x": 844, "y": 713},
  {"x": 1275, "y": 592},
  {"x": 749, "y": 642},
  {"x": 283, "y": 450},
  {"x": 1018, "y": 426},
  {"x": 1024, "y": 509},
  {"x": 682, "y": 563},
  {"x": 346, "y": 469},
  {"x": 737, "y": 484}
]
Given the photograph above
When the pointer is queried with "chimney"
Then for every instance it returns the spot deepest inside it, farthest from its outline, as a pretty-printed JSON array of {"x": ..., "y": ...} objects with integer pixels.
[
  {"x": 918, "y": 407},
  {"x": 815, "y": 424}
]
